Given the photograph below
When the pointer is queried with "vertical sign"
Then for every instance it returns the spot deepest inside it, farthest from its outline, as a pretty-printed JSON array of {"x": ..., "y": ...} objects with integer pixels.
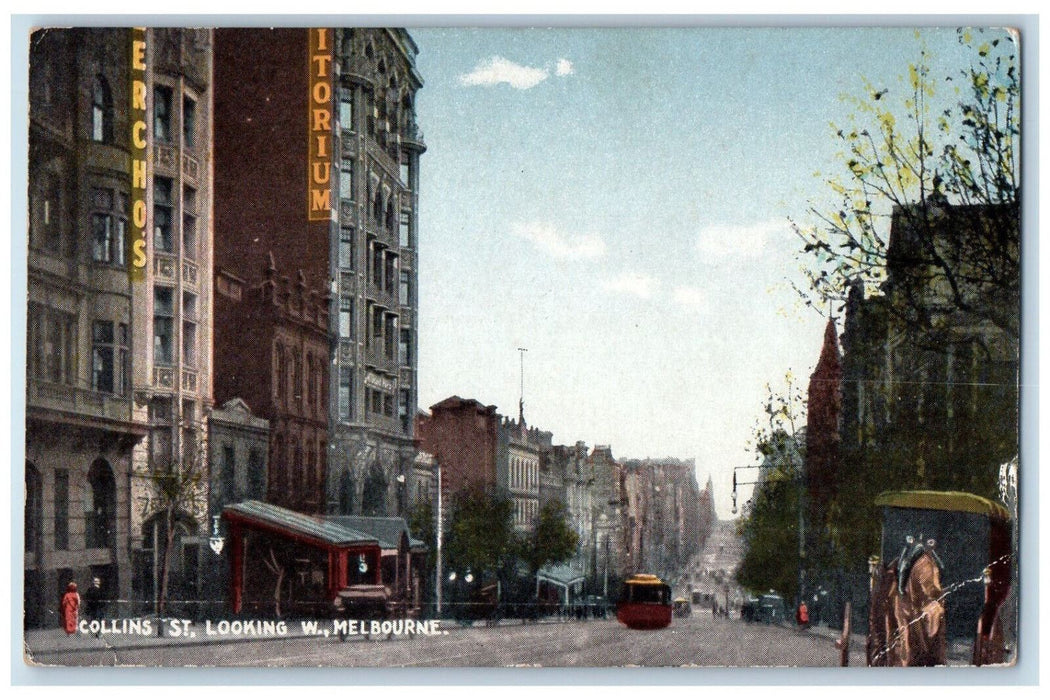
[
  {"x": 319, "y": 187},
  {"x": 136, "y": 240}
]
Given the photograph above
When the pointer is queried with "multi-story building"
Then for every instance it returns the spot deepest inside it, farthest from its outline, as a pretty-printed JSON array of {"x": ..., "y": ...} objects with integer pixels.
[
  {"x": 172, "y": 314},
  {"x": 119, "y": 322},
  {"x": 274, "y": 340},
  {"x": 342, "y": 206},
  {"x": 520, "y": 452},
  {"x": 462, "y": 435}
]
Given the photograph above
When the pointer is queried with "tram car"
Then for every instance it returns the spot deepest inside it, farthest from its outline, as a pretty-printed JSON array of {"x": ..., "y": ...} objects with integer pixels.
[
  {"x": 645, "y": 603},
  {"x": 943, "y": 574}
]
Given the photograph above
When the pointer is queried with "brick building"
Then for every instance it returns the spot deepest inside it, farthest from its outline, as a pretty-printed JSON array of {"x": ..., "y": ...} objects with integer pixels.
[
  {"x": 463, "y": 437},
  {"x": 353, "y": 145},
  {"x": 274, "y": 342}
]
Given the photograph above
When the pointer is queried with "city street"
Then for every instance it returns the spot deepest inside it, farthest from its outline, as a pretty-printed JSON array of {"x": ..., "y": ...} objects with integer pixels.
[{"x": 699, "y": 640}]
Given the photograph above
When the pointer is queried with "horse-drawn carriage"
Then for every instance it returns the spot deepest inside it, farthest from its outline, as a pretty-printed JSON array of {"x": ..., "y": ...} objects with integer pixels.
[{"x": 937, "y": 550}]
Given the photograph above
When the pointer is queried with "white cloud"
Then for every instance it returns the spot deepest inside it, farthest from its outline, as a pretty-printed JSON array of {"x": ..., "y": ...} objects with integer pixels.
[
  {"x": 497, "y": 69},
  {"x": 559, "y": 245},
  {"x": 564, "y": 67},
  {"x": 746, "y": 240},
  {"x": 632, "y": 283},
  {"x": 690, "y": 296}
]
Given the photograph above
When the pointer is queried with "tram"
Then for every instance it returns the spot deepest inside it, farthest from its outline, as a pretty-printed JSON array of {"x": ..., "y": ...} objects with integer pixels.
[
  {"x": 645, "y": 603},
  {"x": 937, "y": 549}
]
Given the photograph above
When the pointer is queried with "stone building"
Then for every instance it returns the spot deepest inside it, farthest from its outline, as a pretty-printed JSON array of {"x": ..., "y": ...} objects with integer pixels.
[
  {"x": 119, "y": 320},
  {"x": 931, "y": 402},
  {"x": 272, "y": 351},
  {"x": 520, "y": 452},
  {"x": 355, "y": 232}
]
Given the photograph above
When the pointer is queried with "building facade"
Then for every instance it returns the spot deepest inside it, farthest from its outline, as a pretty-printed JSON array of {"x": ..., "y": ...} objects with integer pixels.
[
  {"x": 274, "y": 341},
  {"x": 355, "y": 232},
  {"x": 119, "y": 326},
  {"x": 521, "y": 452},
  {"x": 463, "y": 437}
]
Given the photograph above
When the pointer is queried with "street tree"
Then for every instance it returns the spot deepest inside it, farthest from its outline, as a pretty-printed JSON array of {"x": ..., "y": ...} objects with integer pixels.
[
  {"x": 929, "y": 155},
  {"x": 770, "y": 528},
  {"x": 180, "y": 490},
  {"x": 551, "y": 541},
  {"x": 481, "y": 533}
]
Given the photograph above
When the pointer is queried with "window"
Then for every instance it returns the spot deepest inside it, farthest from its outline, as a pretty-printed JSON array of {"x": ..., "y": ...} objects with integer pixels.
[
  {"x": 404, "y": 238},
  {"x": 189, "y": 120},
  {"x": 278, "y": 374},
  {"x": 391, "y": 337},
  {"x": 390, "y": 272},
  {"x": 189, "y": 344},
  {"x": 162, "y": 207},
  {"x": 52, "y": 344},
  {"x": 61, "y": 509},
  {"x": 297, "y": 380},
  {"x": 100, "y": 506},
  {"x": 377, "y": 265},
  {"x": 256, "y": 475},
  {"x": 346, "y": 248},
  {"x": 163, "y": 325},
  {"x": 404, "y": 174},
  {"x": 346, "y": 181},
  {"x": 346, "y": 114},
  {"x": 109, "y": 225},
  {"x": 229, "y": 475},
  {"x": 346, "y": 379},
  {"x": 101, "y": 111},
  {"x": 103, "y": 356},
  {"x": 189, "y": 306},
  {"x": 45, "y": 226},
  {"x": 346, "y": 317},
  {"x": 162, "y": 113},
  {"x": 405, "y": 297},
  {"x": 390, "y": 219},
  {"x": 404, "y": 348},
  {"x": 388, "y": 405},
  {"x": 403, "y": 412},
  {"x": 189, "y": 223}
]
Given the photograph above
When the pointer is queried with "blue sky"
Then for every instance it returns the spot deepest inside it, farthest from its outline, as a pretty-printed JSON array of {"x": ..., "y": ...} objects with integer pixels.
[{"x": 616, "y": 200}]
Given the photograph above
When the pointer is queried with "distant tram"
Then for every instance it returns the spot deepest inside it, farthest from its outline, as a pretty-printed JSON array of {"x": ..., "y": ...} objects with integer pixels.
[{"x": 645, "y": 603}]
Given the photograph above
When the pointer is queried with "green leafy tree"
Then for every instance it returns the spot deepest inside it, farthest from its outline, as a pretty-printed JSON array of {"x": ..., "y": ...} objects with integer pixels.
[
  {"x": 907, "y": 152},
  {"x": 551, "y": 541},
  {"x": 481, "y": 533},
  {"x": 770, "y": 526}
]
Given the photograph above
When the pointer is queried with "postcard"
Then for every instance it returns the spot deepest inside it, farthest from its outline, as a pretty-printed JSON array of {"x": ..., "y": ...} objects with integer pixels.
[{"x": 691, "y": 346}]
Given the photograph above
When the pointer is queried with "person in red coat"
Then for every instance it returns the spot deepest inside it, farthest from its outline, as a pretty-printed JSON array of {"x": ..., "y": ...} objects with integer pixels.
[
  {"x": 802, "y": 615},
  {"x": 70, "y": 607}
]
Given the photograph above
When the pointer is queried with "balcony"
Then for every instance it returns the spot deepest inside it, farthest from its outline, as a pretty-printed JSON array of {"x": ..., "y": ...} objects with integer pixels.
[
  {"x": 378, "y": 357},
  {"x": 73, "y": 399}
]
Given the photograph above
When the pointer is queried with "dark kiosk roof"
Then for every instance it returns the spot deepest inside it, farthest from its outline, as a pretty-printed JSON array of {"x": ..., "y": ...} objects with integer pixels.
[{"x": 328, "y": 530}]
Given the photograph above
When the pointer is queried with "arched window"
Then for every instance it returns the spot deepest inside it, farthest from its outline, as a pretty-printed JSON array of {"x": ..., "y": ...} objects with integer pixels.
[
  {"x": 391, "y": 222},
  {"x": 34, "y": 513},
  {"x": 377, "y": 206},
  {"x": 101, "y": 111},
  {"x": 100, "y": 506}
]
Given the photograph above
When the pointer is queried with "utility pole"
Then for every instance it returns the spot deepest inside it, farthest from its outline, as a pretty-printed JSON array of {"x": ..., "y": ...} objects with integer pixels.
[{"x": 437, "y": 582}]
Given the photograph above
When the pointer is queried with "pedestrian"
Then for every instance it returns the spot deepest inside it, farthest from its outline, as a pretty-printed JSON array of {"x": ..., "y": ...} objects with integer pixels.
[
  {"x": 802, "y": 616},
  {"x": 70, "y": 607},
  {"x": 93, "y": 605}
]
